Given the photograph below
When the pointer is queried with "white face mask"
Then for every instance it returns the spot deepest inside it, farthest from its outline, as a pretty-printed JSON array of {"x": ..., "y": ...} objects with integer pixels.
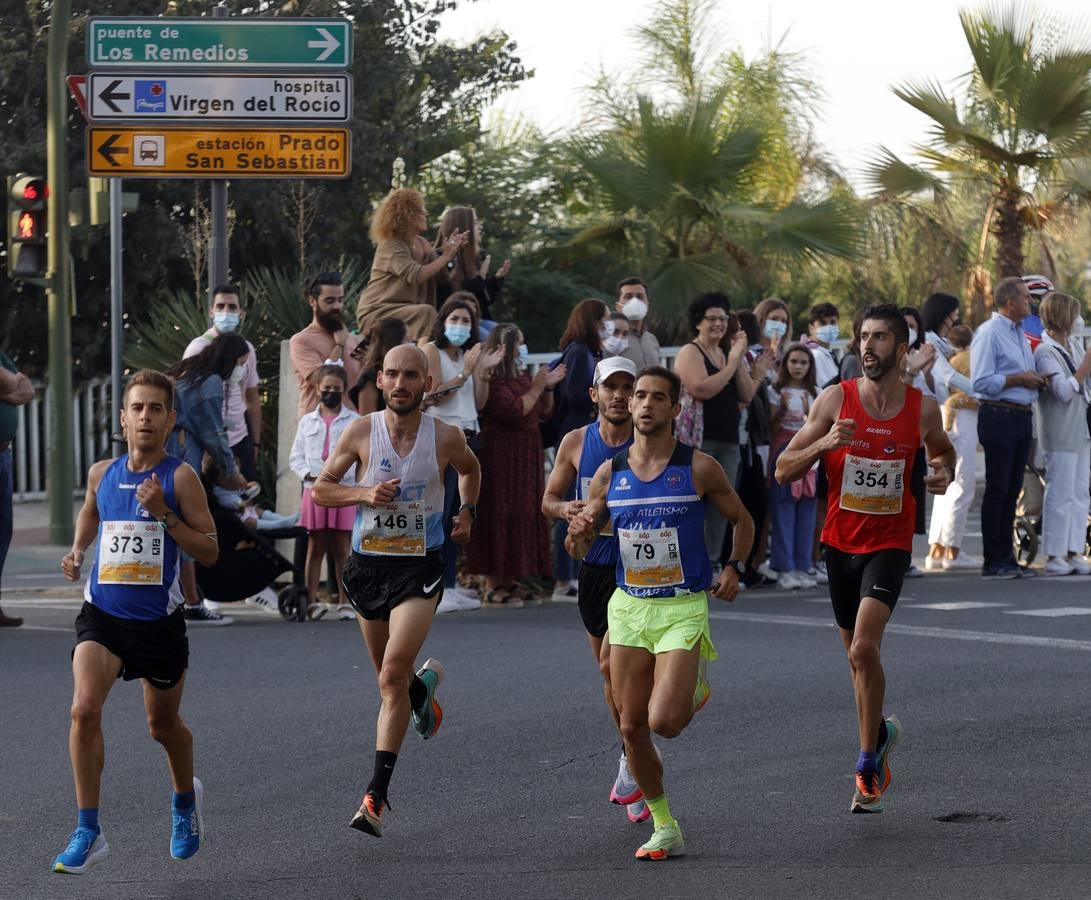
[
  {"x": 827, "y": 334},
  {"x": 912, "y": 336},
  {"x": 615, "y": 345},
  {"x": 634, "y": 308},
  {"x": 521, "y": 357},
  {"x": 237, "y": 375},
  {"x": 775, "y": 329},
  {"x": 606, "y": 329}
]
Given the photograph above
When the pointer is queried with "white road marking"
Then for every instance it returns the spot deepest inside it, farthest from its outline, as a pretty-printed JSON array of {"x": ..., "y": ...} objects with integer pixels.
[
  {"x": 25, "y": 627},
  {"x": 954, "y": 606},
  {"x": 954, "y": 634},
  {"x": 1053, "y": 613}
]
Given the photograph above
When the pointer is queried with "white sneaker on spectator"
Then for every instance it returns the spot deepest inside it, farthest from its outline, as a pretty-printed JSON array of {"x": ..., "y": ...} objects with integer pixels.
[
  {"x": 1058, "y": 566},
  {"x": 768, "y": 571},
  {"x": 804, "y": 581},
  {"x": 565, "y": 593},
  {"x": 467, "y": 600},
  {"x": 448, "y": 604},
  {"x": 932, "y": 563},
  {"x": 962, "y": 561},
  {"x": 265, "y": 600},
  {"x": 346, "y": 613},
  {"x": 1079, "y": 565},
  {"x": 817, "y": 575},
  {"x": 787, "y": 581}
]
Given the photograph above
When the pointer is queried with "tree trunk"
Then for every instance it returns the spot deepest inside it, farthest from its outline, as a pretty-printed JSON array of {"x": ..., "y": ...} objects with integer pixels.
[{"x": 1008, "y": 229}]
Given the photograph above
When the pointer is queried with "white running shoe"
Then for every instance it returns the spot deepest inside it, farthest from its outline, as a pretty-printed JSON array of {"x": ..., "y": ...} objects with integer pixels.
[
  {"x": 565, "y": 593},
  {"x": 932, "y": 563},
  {"x": 448, "y": 604},
  {"x": 1058, "y": 566},
  {"x": 1079, "y": 565},
  {"x": 962, "y": 561},
  {"x": 265, "y": 600},
  {"x": 466, "y": 600},
  {"x": 768, "y": 571},
  {"x": 817, "y": 575}
]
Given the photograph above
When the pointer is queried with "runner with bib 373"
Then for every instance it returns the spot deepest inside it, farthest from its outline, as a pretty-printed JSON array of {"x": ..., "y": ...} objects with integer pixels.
[
  {"x": 394, "y": 577},
  {"x": 867, "y": 432}
]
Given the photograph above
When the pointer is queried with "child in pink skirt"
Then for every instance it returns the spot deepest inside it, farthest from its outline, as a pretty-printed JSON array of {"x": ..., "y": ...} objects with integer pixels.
[{"x": 330, "y": 529}]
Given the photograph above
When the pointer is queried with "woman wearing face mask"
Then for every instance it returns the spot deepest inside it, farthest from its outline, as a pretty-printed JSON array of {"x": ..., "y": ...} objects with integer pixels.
[
  {"x": 199, "y": 429},
  {"x": 511, "y": 538},
  {"x": 618, "y": 342},
  {"x": 460, "y": 373},
  {"x": 468, "y": 269},
  {"x": 329, "y": 529},
  {"x": 714, "y": 372}
]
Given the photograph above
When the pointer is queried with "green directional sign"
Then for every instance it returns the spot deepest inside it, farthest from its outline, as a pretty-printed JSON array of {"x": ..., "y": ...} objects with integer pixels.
[{"x": 240, "y": 43}]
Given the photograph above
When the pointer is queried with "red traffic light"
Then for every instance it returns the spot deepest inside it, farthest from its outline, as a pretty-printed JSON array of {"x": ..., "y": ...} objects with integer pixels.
[
  {"x": 29, "y": 227},
  {"x": 28, "y": 191}
]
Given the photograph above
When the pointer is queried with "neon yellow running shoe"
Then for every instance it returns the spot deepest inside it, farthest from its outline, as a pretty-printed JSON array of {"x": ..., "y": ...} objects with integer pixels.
[{"x": 666, "y": 841}]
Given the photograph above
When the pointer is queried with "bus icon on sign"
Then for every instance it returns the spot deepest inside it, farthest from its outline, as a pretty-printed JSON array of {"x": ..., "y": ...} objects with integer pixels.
[{"x": 149, "y": 150}]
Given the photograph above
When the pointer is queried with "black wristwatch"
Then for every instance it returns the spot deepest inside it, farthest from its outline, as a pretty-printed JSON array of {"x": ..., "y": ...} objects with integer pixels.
[
  {"x": 472, "y": 507},
  {"x": 169, "y": 519},
  {"x": 738, "y": 565}
]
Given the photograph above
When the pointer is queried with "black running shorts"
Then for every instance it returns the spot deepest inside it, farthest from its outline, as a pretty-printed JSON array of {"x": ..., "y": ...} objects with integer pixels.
[
  {"x": 597, "y": 586},
  {"x": 376, "y": 584},
  {"x": 854, "y": 576},
  {"x": 156, "y": 650}
]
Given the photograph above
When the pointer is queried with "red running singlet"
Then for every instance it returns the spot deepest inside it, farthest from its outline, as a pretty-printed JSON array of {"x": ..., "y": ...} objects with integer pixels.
[{"x": 870, "y": 504}]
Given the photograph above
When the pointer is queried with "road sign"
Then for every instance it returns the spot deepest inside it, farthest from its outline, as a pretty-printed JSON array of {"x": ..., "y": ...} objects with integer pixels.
[
  {"x": 219, "y": 98},
  {"x": 229, "y": 43},
  {"x": 77, "y": 84},
  {"x": 150, "y": 152}
]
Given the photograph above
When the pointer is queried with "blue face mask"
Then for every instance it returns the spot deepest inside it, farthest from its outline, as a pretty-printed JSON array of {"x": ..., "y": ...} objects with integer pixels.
[
  {"x": 225, "y": 321},
  {"x": 457, "y": 334},
  {"x": 775, "y": 329},
  {"x": 827, "y": 334},
  {"x": 521, "y": 356}
]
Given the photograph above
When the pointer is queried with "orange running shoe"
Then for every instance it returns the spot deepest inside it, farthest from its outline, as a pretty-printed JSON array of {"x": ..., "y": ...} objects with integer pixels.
[
  {"x": 369, "y": 817},
  {"x": 868, "y": 797}
]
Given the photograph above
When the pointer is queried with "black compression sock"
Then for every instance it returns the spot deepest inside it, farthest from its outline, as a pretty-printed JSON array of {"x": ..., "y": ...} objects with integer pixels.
[
  {"x": 380, "y": 779},
  {"x": 882, "y": 735},
  {"x": 418, "y": 692}
]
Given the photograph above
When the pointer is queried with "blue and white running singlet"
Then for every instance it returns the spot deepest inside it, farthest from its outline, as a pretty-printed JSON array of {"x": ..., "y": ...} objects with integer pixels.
[{"x": 594, "y": 453}]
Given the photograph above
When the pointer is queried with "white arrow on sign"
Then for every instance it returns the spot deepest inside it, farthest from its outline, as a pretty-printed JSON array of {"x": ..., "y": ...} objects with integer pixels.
[{"x": 330, "y": 43}]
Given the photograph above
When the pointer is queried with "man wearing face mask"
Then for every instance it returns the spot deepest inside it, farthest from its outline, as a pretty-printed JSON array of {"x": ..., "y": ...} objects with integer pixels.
[
  {"x": 632, "y": 302},
  {"x": 242, "y": 402},
  {"x": 822, "y": 331}
]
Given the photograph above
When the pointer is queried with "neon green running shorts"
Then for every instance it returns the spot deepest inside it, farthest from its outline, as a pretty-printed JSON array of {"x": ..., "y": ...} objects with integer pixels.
[{"x": 660, "y": 624}]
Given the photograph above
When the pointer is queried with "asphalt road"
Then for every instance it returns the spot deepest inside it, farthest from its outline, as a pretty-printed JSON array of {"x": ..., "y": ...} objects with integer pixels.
[{"x": 510, "y": 798}]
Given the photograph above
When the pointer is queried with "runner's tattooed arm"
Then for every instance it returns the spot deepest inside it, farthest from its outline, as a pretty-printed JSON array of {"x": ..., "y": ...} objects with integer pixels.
[
  {"x": 711, "y": 482},
  {"x": 822, "y": 433},
  {"x": 941, "y": 455},
  {"x": 554, "y": 506},
  {"x": 86, "y": 523},
  {"x": 352, "y": 449},
  {"x": 586, "y": 525}
]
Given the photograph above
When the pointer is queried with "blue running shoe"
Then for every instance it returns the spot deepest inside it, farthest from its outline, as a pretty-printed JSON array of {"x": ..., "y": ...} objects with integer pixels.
[
  {"x": 187, "y": 827},
  {"x": 427, "y": 719},
  {"x": 85, "y": 848}
]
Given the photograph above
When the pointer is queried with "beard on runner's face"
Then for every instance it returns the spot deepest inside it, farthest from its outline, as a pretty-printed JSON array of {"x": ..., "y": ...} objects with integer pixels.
[
  {"x": 332, "y": 320},
  {"x": 876, "y": 366},
  {"x": 402, "y": 401}
]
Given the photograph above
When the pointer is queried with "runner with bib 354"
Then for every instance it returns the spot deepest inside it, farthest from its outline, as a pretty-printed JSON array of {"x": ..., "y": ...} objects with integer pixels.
[{"x": 867, "y": 431}]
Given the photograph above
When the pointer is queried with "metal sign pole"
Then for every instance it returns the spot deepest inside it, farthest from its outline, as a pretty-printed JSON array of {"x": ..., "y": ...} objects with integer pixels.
[
  {"x": 217, "y": 239},
  {"x": 116, "y": 298}
]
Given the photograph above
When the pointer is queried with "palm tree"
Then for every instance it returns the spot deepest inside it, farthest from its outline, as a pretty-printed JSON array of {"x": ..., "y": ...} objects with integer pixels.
[
  {"x": 695, "y": 185},
  {"x": 1023, "y": 119}
]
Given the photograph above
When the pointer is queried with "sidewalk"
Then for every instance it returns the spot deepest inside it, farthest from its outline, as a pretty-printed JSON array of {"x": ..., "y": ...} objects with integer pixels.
[{"x": 33, "y": 564}]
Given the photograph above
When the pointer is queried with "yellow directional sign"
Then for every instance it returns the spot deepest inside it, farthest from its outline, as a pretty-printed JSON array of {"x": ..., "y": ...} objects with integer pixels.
[{"x": 148, "y": 151}]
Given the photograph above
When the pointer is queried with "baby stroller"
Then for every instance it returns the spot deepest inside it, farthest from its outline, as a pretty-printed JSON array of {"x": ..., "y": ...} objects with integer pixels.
[
  {"x": 1027, "y": 530},
  {"x": 249, "y": 562}
]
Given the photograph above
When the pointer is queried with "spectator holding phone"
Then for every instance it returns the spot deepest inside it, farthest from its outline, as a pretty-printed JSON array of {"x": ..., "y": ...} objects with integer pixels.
[{"x": 468, "y": 269}]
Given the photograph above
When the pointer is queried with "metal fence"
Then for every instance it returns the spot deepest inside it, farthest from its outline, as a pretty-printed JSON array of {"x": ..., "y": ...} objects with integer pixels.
[{"x": 92, "y": 425}]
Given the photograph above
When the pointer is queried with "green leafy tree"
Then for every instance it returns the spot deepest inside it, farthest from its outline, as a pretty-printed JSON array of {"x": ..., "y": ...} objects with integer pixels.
[{"x": 1021, "y": 121}]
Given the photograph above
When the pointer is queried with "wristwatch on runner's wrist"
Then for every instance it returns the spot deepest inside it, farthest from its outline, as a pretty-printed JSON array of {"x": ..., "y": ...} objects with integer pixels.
[
  {"x": 169, "y": 519},
  {"x": 738, "y": 565},
  {"x": 472, "y": 507}
]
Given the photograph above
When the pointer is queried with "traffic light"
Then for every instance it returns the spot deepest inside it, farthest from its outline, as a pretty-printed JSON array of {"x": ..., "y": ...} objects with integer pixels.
[{"x": 26, "y": 226}]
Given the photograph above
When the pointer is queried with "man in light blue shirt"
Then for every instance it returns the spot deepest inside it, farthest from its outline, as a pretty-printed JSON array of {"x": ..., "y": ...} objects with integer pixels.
[{"x": 1005, "y": 381}]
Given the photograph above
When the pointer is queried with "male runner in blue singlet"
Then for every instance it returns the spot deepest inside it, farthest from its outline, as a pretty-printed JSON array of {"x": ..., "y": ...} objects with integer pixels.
[
  {"x": 394, "y": 578},
  {"x": 143, "y": 507},
  {"x": 578, "y": 459},
  {"x": 656, "y": 494}
]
